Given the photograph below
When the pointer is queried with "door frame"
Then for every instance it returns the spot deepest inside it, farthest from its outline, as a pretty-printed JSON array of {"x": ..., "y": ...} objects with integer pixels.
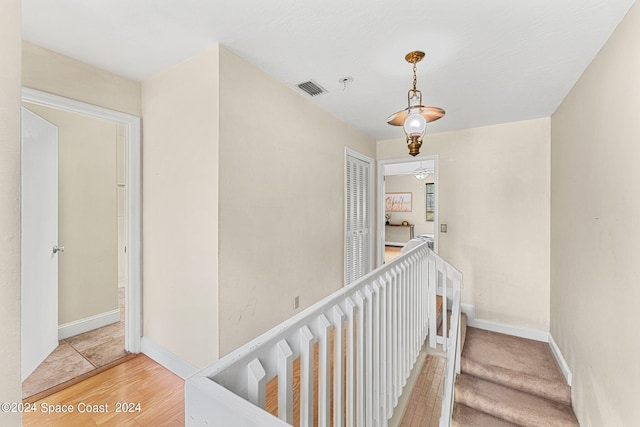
[
  {"x": 381, "y": 190},
  {"x": 133, "y": 292}
]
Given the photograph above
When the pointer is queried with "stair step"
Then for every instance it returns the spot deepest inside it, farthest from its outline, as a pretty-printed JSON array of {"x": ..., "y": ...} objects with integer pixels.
[
  {"x": 511, "y": 405},
  {"x": 464, "y": 416},
  {"x": 515, "y": 362}
]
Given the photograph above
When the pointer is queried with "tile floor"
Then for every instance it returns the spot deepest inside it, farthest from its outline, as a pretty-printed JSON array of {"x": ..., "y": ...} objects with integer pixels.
[{"x": 78, "y": 355}]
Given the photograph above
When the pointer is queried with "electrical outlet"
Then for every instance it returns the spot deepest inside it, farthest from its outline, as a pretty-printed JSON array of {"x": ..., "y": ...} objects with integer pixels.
[
  {"x": 443, "y": 228},
  {"x": 296, "y": 303}
]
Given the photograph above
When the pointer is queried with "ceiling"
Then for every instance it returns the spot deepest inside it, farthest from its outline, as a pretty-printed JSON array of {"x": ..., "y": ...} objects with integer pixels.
[{"x": 487, "y": 62}]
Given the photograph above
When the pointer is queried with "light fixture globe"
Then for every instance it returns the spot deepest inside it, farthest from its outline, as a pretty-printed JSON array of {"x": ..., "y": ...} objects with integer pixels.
[
  {"x": 415, "y": 124},
  {"x": 415, "y": 117}
]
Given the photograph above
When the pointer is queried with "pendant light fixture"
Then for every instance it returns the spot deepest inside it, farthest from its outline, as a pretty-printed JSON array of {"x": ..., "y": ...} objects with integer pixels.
[
  {"x": 421, "y": 173},
  {"x": 415, "y": 117}
]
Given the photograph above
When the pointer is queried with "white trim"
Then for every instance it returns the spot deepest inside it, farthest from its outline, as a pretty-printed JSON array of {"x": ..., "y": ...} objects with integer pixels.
[
  {"x": 87, "y": 324},
  {"x": 564, "y": 366},
  {"x": 532, "y": 334},
  {"x": 175, "y": 364},
  {"x": 380, "y": 199},
  {"x": 469, "y": 310},
  {"x": 133, "y": 297}
]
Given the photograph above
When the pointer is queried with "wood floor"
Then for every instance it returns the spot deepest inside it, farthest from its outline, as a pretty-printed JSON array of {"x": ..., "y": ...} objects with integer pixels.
[
  {"x": 138, "y": 392},
  {"x": 424, "y": 407},
  {"x": 391, "y": 252}
]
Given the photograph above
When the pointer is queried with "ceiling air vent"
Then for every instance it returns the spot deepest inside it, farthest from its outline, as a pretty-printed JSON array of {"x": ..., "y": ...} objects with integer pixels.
[{"x": 312, "y": 88}]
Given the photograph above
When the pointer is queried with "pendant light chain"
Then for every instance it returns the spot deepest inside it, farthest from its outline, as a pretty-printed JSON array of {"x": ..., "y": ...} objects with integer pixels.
[{"x": 415, "y": 80}]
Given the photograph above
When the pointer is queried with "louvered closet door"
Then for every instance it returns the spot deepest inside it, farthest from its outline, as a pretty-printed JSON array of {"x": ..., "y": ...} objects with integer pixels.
[{"x": 358, "y": 237}]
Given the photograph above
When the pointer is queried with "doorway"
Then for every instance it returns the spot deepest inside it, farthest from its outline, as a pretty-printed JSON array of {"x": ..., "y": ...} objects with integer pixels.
[
  {"x": 418, "y": 216},
  {"x": 119, "y": 205}
]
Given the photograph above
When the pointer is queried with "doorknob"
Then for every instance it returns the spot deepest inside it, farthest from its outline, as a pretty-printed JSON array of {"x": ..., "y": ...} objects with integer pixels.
[{"x": 57, "y": 249}]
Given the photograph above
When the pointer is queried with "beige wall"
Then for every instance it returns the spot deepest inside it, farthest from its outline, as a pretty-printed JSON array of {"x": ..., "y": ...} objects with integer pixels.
[
  {"x": 52, "y": 72},
  {"x": 595, "y": 233},
  {"x": 10, "y": 386},
  {"x": 417, "y": 216},
  {"x": 494, "y": 197},
  {"x": 281, "y": 200},
  {"x": 87, "y": 220},
  {"x": 180, "y": 208}
]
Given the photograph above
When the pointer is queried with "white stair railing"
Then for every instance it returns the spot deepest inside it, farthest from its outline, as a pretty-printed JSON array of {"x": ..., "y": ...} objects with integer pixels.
[
  {"x": 366, "y": 338},
  {"x": 451, "y": 285}
]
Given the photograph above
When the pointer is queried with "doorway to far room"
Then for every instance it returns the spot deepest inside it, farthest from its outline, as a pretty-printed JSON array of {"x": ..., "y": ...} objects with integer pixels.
[{"x": 408, "y": 206}]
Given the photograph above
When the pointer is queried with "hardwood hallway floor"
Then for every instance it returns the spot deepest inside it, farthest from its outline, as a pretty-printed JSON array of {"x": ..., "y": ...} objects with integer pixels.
[{"x": 138, "y": 392}]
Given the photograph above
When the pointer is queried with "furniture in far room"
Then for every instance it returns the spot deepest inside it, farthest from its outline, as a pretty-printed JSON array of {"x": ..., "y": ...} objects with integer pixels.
[{"x": 398, "y": 234}]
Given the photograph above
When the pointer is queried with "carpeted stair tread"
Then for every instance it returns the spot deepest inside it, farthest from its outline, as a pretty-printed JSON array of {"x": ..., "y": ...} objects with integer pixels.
[
  {"x": 464, "y": 416},
  {"x": 515, "y": 362},
  {"x": 511, "y": 405}
]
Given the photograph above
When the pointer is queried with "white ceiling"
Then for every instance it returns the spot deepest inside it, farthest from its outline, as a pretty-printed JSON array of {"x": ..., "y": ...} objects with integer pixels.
[{"x": 488, "y": 62}]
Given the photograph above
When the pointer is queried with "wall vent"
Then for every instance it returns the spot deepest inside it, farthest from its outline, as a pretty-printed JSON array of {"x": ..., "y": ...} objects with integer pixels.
[{"x": 312, "y": 88}]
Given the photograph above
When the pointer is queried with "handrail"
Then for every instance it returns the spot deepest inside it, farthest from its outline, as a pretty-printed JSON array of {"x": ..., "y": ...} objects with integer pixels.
[{"x": 358, "y": 345}]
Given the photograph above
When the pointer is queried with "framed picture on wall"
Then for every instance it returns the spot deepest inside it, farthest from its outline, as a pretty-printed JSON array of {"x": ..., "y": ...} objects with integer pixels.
[
  {"x": 431, "y": 201},
  {"x": 397, "y": 202}
]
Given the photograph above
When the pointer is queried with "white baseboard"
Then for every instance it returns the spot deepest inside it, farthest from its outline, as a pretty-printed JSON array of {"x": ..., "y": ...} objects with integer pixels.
[
  {"x": 469, "y": 310},
  {"x": 532, "y": 334},
  {"x": 401, "y": 244},
  {"x": 88, "y": 324},
  {"x": 175, "y": 364},
  {"x": 564, "y": 366}
]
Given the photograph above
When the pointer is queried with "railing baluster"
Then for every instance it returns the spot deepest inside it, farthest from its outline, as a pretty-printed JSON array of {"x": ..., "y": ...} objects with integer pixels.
[
  {"x": 256, "y": 383},
  {"x": 338, "y": 367},
  {"x": 369, "y": 356},
  {"x": 324, "y": 378},
  {"x": 351, "y": 362},
  {"x": 442, "y": 281},
  {"x": 457, "y": 285},
  {"x": 307, "y": 341},
  {"x": 433, "y": 312},
  {"x": 395, "y": 327},
  {"x": 417, "y": 328},
  {"x": 378, "y": 357},
  {"x": 285, "y": 381},
  {"x": 388, "y": 286},
  {"x": 404, "y": 331},
  {"x": 425, "y": 292},
  {"x": 361, "y": 302}
]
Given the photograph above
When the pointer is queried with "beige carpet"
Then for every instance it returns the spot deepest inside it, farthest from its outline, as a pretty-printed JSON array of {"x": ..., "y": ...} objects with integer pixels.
[{"x": 511, "y": 379}]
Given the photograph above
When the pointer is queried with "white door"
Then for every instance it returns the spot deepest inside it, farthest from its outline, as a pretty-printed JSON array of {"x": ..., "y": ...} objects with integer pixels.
[
  {"x": 39, "y": 240},
  {"x": 358, "y": 238}
]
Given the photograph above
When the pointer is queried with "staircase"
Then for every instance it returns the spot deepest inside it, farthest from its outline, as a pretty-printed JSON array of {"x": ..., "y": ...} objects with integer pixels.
[{"x": 507, "y": 381}]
